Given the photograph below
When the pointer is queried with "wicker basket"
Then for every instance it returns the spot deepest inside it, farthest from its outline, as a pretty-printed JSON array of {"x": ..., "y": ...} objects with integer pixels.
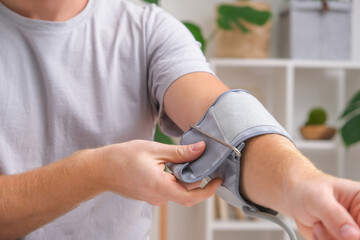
[{"x": 254, "y": 44}]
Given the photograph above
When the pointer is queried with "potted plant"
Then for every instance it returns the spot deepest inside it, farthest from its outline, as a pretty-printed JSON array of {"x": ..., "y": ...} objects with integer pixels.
[
  {"x": 315, "y": 127},
  {"x": 243, "y": 29},
  {"x": 350, "y": 131}
]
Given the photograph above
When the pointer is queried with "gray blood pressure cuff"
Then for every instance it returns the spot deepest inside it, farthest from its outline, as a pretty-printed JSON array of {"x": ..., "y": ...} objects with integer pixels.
[{"x": 233, "y": 118}]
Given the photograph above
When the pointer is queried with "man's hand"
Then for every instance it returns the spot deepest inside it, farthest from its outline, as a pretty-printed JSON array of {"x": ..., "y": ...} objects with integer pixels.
[
  {"x": 135, "y": 169},
  {"x": 326, "y": 208}
]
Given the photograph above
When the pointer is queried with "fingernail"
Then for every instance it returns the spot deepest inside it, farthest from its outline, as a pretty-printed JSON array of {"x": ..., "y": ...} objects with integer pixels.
[
  {"x": 314, "y": 237},
  {"x": 316, "y": 233},
  {"x": 197, "y": 146},
  {"x": 349, "y": 232}
]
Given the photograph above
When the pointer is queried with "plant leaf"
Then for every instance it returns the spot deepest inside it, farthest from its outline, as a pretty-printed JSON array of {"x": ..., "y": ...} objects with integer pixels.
[
  {"x": 161, "y": 137},
  {"x": 352, "y": 105},
  {"x": 197, "y": 33},
  {"x": 152, "y": 1},
  {"x": 222, "y": 23},
  {"x": 230, "y": 15},
  {"x": 350, "y": 132}
]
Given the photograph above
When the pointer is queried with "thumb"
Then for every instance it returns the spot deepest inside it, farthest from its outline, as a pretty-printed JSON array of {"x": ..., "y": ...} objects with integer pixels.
[
  {"x": 181, "y": 153},
  {"x": 338, "y": 221}
]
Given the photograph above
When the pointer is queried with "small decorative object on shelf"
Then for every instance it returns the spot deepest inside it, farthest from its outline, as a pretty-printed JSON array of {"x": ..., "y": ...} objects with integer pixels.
[
  {"x": 350, "y": 131},
  {"x": 243, "y": 29},
  {"x": 315, "y": 128},
  {"x": 317, "y": 29}
]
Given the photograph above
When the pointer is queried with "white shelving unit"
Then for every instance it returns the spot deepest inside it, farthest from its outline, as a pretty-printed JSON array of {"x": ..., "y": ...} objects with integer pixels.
[{"x": 289, "y": 89}]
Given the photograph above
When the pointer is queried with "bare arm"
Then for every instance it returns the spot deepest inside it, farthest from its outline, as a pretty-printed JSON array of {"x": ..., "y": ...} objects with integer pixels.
[
  {"x": 194, "y": 93},
  {"x": 32, "y": 199},
  {"x": 274, "y": 173},
  {"x": 29, "y": 200}
]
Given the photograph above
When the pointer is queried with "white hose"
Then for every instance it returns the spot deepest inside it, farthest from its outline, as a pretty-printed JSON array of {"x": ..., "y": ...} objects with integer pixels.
[{"x": 271, "y": 218}]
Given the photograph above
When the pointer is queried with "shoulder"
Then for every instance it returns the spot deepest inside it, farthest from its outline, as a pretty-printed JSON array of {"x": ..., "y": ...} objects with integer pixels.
[
  {"x": 127, "y": 11},
  {"x": 141, "y": 20}
]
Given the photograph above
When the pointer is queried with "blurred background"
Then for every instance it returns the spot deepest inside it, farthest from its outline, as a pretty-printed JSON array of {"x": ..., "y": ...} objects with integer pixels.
[
  {"x": 301, "y": 59},
  {"x": 204, "y": 13}
]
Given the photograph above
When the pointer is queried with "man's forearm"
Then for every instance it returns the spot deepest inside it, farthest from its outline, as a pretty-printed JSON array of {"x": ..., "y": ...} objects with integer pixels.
[
  {"x": 270, "y": 165},
  {"x": 273, "y": 172},
  {"x": 32, "y": 199}
]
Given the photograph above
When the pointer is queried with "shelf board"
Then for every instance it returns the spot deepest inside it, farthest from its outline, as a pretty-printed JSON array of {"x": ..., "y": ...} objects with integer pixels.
[
  {"x": 243, "y": 62},
  {"x": 233, "y": 62},
  {"x": 316, "y": 144},
  {"x": 326, "y": 64},
  {"x": 246, "y": 225}
]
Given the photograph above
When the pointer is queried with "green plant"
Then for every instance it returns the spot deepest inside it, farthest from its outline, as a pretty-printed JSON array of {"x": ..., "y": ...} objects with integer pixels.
[
  {"x": 152, "y": 1},
  {"x": 197, "y": 33},
  {"x": 161, "y": 137},
  {"x": 350, "y": 131},
  {"x": 317, "y": 116},
  {"x": 230, "y": 16}
]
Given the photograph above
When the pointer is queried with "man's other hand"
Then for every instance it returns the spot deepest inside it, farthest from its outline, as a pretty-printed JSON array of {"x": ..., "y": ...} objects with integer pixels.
[{"x": 135, "y": 169}]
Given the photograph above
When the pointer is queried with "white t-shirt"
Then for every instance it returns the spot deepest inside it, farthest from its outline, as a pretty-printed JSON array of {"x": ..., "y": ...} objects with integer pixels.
[{"x": 96, "y": 79}]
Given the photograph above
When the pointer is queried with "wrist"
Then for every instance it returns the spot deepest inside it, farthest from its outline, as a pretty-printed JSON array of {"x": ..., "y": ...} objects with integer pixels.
[
  {"x": 91, "y": 169},
  {"x": 271, "y": 169},
  {"x": 108, "y": 166},
  {"x": 299, "y": 177}
]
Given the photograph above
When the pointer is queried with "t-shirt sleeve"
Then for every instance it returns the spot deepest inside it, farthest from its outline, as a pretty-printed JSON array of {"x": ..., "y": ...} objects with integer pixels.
[{"x": 172, "y": 52}]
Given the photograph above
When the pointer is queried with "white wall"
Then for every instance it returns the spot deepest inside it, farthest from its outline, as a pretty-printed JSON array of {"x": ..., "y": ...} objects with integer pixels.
[{"x": 356, "y": 31}]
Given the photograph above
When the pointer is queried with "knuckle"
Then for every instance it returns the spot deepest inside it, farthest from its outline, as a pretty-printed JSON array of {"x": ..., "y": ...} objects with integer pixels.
[
  {"x": 332, "y": 212},
  {"x": 179, "y": 152},
  {"x": 189, "y": 203},
  {"x": 209, "y": 194},
  {"x": 158, "y": 201}
]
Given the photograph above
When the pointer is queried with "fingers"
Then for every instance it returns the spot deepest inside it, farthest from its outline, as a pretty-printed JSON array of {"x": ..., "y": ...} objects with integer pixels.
[
  {"x": 337, "y": 221},
  {"x": 190, "y": 186},
  {"x": 179, "y": 153},
  {"x": 320, "y": 233},
  {"x": 189, "y": 198},
  {"x": 306, "y": 231}
]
